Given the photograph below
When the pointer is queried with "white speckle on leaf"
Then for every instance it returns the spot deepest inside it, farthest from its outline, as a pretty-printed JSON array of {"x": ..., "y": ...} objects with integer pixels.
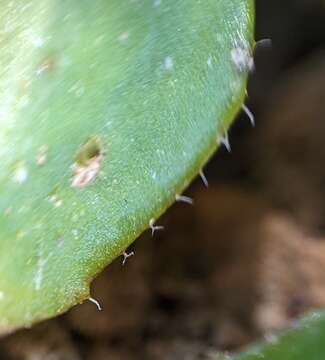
[
  {"x": 40, "y": 70},
  {"x": 75, "y": 217},
  {"x": 108, "y": 123},
  {"x": 242, "y": 57},
  {"x": 41, "y": 157},
  {"x": 156, "y": 3},
  {"x": 21, "y": 234},
  {"x": 65, "y": 61},
  {"x": 60, "y": 243},
  {"x": 67, "y": 17},
  {"x": 168, "y": 63},
  {"x": 75, "y": 233},
  {"x": 39, "y": 273},
  {"x": 209, "y": 62},
  {"x": 37, "y": 41},
  {"x": 154, "y": 227},
  {"x": 56, "y": 201},
  {"x": 124, "y": 36},
  {"x": 2, "y": 295},
  {"x": 78, "y": 89},
  {"x": 99, "y": 39},
  {"x": 23, "y": 209},
  {"x": 154, "y": 175},
  {"x": 23, "y": 102},
  {"x": 38, "y": 279},
  {"x": 21, "y": 174}
]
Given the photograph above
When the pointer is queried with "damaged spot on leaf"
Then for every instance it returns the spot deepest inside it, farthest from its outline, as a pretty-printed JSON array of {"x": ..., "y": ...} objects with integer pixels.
[
  {"x": 47, "y": 65},
  {"x": 88, "y": 163},
  {"x": 242, "y": 58}
]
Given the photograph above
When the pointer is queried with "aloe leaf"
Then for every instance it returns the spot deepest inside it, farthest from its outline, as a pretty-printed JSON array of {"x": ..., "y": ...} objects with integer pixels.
[
  {"x": 306, "y": 340},
  {"x": 108, "y": 109}
]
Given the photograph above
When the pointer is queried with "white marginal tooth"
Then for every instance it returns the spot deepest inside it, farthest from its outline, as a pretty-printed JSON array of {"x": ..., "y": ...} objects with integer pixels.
[
  {"x": 154, "y": 227},
  {"x": 185, "y": 199},
  {"x": 224, "y": 140},
  {"x": 126, "y": 256},
  {"x": 249, "y": 114},
  {"x": 203, "y": 178},
  {"x": 94, "y": 301}
]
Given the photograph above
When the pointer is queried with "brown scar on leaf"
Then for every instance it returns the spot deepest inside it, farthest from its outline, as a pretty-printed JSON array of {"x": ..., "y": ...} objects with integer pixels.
[
  {"x": 47, "y": 65},
  {"x": 88, "y": 163}
]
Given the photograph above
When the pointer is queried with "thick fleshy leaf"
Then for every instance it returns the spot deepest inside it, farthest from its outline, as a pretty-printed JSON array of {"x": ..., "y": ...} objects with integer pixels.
[
  {"x": 108, "y": 109},
  {"x": 306, "y": 340}
]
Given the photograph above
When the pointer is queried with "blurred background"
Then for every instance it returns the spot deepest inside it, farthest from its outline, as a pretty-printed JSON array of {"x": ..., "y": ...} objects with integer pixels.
[{"x": 249, "y": 256}]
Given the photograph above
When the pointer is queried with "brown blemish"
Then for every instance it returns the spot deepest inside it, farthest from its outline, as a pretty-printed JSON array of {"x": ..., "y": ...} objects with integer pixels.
[
  {"x": 48, "y": 64},
  {"x": 88, "y": 163}
]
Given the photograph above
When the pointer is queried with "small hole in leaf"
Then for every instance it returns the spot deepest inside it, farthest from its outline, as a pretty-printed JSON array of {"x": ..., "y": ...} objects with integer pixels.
[
  {"x": 90, "y": 150},
  {"x": 88, "y": 163}
]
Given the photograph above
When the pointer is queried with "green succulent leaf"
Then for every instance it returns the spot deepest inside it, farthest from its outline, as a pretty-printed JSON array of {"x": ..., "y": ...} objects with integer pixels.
[
  {"x": 108, "y": 109},
  {"x": 306, "y": 340}
]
